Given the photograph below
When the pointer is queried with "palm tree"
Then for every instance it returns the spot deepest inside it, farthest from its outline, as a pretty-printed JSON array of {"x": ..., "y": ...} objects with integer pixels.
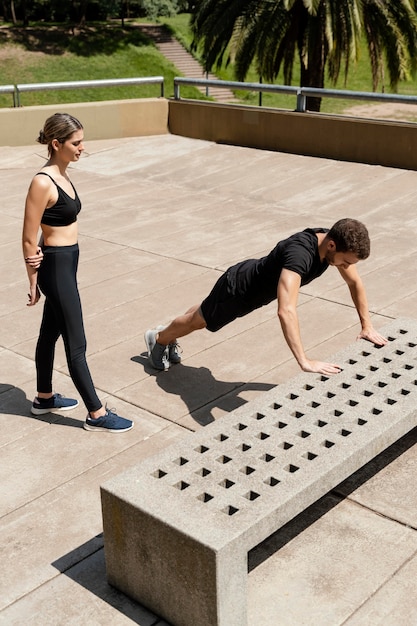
[{"x": 324, "y": 34}]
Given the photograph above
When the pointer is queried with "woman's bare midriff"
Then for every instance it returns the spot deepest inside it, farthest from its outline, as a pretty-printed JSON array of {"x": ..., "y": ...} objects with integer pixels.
[{"x": 60, "y": 235}]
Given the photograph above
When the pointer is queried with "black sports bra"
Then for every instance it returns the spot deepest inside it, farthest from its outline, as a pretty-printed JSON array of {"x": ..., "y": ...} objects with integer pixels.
[{"x": 65, "y": 209}]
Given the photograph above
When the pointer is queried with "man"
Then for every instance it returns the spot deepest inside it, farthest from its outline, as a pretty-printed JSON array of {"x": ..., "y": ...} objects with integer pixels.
[{"x": 253, "y": 283}]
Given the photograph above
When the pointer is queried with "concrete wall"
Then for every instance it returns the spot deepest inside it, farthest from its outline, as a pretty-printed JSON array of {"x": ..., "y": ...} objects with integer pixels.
[
  {"x": 334, "y": 137},
  {"x": 101, "y": 120}
]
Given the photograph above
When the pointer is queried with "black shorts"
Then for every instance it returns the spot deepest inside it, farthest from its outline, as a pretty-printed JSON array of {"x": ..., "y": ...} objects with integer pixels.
[{"x": 223, "y": 305}]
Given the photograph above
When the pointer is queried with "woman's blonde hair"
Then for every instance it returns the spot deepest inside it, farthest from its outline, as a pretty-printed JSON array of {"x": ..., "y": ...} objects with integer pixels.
[{"x": 59, "y": 126}]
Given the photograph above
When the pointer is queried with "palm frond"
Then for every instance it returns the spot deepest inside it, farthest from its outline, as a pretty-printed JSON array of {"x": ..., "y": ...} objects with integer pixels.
[{"x": 325, "y": 34}]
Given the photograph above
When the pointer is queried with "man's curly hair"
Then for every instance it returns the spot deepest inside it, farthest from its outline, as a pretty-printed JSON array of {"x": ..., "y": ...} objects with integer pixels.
[{"x": 350, "y": 235}]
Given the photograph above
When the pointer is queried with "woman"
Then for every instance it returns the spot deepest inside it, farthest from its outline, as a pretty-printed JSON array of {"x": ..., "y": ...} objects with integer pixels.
[{"x": 53, "y": 205}]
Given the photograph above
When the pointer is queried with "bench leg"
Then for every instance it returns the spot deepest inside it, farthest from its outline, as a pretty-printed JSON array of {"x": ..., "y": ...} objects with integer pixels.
[{"x": 175, "y": 576}]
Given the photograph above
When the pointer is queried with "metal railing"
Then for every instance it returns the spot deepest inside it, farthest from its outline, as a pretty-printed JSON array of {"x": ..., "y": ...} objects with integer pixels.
[
  {"x": 301, "y": 93},
  {"x": 82, "y": 84},
  {"x": 305, "y": 92},
  {"x": 9, "y": 89}
]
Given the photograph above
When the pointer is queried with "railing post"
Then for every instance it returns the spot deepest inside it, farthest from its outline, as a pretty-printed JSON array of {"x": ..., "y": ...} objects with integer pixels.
[
  {"x": 176, "y": 91},
  {"x": 301, "y": 102}
]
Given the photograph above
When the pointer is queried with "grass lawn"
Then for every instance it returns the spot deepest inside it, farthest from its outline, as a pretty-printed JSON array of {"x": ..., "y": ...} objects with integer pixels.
[
  {"x": 104, "y": 50},
  {"x": 42, "y": 54}
]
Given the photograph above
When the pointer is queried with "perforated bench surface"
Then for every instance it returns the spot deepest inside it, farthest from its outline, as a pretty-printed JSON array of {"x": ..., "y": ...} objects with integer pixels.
[{"x": 197, "y": 508}]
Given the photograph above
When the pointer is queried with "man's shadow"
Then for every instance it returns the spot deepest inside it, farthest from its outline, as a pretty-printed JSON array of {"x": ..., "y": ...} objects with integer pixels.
[
  {"x": 200, "y": 391},
  {"x": 13, "y": 401}
]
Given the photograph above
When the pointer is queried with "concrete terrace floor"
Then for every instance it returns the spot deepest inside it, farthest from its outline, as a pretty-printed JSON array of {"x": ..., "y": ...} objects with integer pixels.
[{"x": 162, "y": 217}]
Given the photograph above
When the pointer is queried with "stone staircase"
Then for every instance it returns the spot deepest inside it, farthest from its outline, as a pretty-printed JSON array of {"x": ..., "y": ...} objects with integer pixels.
[{"x": 175, "y": 52}]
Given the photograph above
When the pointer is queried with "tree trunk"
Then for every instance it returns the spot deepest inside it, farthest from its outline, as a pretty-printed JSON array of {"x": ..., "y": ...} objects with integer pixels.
[
  {"x": 13, "y": 13},
  {"x": 25, "y": 14},
  {"x": 83, "y": 12},
  {"x": 312, "y": 72},
  {"x": 123, "y": 12},
  {"x": 312, "y": 77}
]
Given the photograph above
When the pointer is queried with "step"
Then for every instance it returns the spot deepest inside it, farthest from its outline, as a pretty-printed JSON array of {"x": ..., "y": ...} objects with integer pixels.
[{"x": 175, "y": 52}]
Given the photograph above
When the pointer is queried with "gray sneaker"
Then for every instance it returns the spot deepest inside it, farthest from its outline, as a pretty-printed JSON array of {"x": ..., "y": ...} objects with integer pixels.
[
  {"x": 157, "y": 354},
  {"x": 174, "y": 352},
  {"x": 174, "y": 349}
]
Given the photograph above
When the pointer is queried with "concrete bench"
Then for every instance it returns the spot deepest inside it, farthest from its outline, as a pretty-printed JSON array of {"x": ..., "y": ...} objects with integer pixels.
[{"x": 178, "y": 526}]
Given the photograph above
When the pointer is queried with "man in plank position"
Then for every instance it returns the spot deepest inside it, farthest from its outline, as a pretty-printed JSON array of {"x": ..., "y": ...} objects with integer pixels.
[{"x": 250, "y": 284}]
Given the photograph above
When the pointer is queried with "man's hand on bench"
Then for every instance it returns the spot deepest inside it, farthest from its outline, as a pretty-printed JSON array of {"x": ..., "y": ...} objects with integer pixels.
[
  {"x": 370, "y": 334},
  {"x": 320, "y": 367}
]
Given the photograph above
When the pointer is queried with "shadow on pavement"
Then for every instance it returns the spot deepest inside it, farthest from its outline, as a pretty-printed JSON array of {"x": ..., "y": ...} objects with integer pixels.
[
  {"x": 196, "y": 386},
  {"x": 305, "y": 519},
  {"x": 86, "y": 566},
  {"x": 13, "y": 401}
]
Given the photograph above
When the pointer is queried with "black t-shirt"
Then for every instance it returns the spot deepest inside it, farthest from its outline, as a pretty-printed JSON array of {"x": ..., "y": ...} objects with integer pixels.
[{"x": 256, "y": 280}]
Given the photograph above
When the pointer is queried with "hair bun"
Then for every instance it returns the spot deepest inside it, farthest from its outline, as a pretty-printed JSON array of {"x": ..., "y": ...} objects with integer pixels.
[{"x": 41, "y": 138}]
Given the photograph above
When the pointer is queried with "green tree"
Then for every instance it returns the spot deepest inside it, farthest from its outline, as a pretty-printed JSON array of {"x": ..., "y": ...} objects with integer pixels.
[
  {"x": 154, "y": 9},
  {"x": 325, "y": 34}
]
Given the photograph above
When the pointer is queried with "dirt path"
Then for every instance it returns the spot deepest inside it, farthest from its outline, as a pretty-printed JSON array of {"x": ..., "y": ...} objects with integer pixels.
[{"x": 387, "y": 111}]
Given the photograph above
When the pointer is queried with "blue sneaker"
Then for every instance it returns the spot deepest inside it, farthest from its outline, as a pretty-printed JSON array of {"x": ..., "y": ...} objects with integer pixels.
[
  {"x": 110, "y": 423},
  {"x": 41, "y": 406}
]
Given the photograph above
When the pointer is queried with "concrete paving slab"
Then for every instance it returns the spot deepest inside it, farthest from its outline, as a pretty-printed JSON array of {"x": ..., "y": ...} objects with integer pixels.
[
  {"x": 333, "y": 566},
  {"x": 200, "y": 168},
  {"x": 113, "y": 265},
  {"x": 391, "y": 604},
  {"x": 16, "y": 401},
  {"x": 63, "y": 524},
  {"x": 22, "y": 324},
  {"x": 133, "y": 155},
  {"x": 155, "y": 278},
  {"x": 22, "y": 156},
  {"x": 376, "y": 191},
  {"x": 387, "y": 483},
  {"x": 21, "y": 367},
  {"x": 397, "y": 308},
  {"x": 26, "y": 472},
  {"x": 12, "y": 229},
  {"x": 81, "y": 595},
  {"x": 173, "y": 212}
]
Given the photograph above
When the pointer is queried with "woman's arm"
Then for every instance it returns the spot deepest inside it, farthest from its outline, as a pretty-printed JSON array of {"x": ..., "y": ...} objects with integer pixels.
[{"x": 36, "y": 201}]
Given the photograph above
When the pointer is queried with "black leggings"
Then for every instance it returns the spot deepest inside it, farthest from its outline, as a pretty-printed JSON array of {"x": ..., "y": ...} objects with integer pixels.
[{"x": 62, "y": 315}]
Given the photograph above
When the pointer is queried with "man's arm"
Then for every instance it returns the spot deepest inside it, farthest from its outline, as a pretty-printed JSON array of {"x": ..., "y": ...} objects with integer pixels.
[
  {"x": 287, "y": 294},
  {"x": 357, "y": 291}
]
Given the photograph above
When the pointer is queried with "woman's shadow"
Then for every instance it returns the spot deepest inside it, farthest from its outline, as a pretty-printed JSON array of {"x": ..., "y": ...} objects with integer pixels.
[
  {"x": 200, "y": 391},
  {"x": 13, "y": 401}
]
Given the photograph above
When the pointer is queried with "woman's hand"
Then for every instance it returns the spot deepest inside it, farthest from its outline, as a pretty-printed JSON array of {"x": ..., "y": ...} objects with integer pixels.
[
  {"x": 33, "y": 295},
  {"x": 35, "y": 260}
]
